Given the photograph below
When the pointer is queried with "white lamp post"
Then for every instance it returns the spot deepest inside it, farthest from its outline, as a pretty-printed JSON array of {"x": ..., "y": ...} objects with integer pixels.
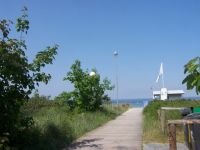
[{"x": 117, "y": 90}]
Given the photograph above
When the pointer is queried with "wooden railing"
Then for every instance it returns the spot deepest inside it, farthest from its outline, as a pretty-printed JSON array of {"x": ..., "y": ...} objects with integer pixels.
[
  {"x": 162, "y": 116},
  {"x": 172, "y": 130}
]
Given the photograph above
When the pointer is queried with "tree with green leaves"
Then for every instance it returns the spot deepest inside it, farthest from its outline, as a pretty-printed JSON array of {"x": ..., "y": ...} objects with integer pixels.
[
  {"x": 89, "y": 91},
  {"x": 192, "y": 69},
  {"x": 18, "y": 77}
]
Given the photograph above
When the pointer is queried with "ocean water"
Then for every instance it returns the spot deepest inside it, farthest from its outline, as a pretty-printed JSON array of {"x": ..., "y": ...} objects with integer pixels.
[
  {"x": 133, "y": 102},
  {"x": 143, "y": 102}
]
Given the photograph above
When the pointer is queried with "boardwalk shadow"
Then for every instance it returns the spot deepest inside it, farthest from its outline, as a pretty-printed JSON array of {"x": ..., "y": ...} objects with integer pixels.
[{"x": 84, "y": 144}]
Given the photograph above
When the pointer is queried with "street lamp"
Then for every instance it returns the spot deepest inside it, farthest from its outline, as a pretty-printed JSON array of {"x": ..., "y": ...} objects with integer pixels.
[
  {"x": 116, "y": 56},
  {"x": 92, "y": 73}
]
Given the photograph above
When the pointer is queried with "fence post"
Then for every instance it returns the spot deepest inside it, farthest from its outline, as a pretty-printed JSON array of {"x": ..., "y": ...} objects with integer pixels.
[
  {"x": 172, "y": 136},
  {"x": 162, "y": 119}
]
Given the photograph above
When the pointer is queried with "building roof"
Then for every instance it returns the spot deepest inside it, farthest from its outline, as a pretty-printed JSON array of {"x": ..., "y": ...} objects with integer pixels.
[
  {"x": 170, "y": 92},
  {"x": 156, "y": 92},
  {"x": 175, "y": 92}
]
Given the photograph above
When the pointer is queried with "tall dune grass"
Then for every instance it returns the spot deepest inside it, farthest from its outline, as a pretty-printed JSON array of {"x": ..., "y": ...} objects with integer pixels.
[{"x": 57, "y": 126}]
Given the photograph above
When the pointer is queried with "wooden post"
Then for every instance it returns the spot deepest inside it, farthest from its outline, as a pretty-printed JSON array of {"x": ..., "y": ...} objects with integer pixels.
[
  {"x": 163, "y": 116},
  {"x": 158, "y": 112},
  {"x": 163, "y": 121},
  {"x": 172, "y": 130},
  {"x": 172, "y": 136}
]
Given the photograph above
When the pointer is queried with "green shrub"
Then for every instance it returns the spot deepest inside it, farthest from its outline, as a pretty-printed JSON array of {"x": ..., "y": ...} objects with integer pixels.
[
  {"x": 18, "y": 76},
  {"x": 152, "y": 125},
  {"x": 89, "y": 91}
]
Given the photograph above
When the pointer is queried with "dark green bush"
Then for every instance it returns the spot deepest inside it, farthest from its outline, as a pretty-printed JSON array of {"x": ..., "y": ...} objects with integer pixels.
[
  {"x": 18, "y": 76},
  {"x": 53, "y": 137}
]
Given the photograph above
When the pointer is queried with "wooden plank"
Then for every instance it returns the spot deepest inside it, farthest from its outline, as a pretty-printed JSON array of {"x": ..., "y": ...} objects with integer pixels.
[
  {"x": 172, "y": 136},
  {"x": 183, "y": 121},
  {"x": 172, "y": 108}
]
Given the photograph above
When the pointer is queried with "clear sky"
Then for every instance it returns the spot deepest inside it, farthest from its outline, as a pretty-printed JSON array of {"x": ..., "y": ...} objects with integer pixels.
[{"x": 144, "y": 32}]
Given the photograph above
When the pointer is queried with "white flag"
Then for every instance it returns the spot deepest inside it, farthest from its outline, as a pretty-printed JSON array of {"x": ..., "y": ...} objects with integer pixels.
[{"x": 160, "y": 72}]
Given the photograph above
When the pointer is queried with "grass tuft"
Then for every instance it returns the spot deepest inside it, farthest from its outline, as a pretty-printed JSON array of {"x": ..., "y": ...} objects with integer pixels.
[
  {"x": 152, "y": 126},
  {"x": 55, "y": 127}
]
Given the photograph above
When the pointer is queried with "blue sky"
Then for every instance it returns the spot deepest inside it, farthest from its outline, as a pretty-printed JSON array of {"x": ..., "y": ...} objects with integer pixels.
[{"x": 143, "y": 32}]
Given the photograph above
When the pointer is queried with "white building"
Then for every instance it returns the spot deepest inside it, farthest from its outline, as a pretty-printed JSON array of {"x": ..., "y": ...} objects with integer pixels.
[{"x": 165, "y": 94}]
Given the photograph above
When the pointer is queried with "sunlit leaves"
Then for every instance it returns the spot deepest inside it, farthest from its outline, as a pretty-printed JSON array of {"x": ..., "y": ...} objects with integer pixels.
[
  {"x": 89, "y": 91},
  {"x": 22, "y": 24},
  {"x": 41, "y": 60},
  {"x": 192, "y": 69},
  {"x": 18, "y": 77}
]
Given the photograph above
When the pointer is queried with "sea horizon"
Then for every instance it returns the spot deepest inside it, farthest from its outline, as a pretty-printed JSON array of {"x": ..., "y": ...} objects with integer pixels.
[{"x": 141, "y": 102}]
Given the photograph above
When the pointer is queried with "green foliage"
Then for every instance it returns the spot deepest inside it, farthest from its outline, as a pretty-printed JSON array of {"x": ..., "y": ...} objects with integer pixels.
[
  {"x": 154, "y": 105},
  {"x": 22, "y": 24},
  {"x": 151, "y": 120},
  {"x": 55, "y": 127},
  {"x": 18, "y": 77},
  {"x": 89, "y": 92},
  {"x": 36, "y": 102},
  {"x": 192, "y": 80},
  {"x": 65, "y": 98}
]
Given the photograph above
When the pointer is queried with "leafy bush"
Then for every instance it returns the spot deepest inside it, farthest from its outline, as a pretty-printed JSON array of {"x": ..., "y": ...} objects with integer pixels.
[
  {"x": 18, "y": 77},
  {"x": 89, "y": 92}
]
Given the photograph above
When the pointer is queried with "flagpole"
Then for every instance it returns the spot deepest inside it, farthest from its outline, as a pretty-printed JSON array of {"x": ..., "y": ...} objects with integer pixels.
[
  {"x": 163, "y": 80},
  {"x": 162, "y": 75}
]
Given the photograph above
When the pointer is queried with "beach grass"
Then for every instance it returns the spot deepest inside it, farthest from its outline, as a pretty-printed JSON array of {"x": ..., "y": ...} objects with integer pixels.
[
  {"x": 55, "y": 127},
  {"x": 152, "y": 132}
]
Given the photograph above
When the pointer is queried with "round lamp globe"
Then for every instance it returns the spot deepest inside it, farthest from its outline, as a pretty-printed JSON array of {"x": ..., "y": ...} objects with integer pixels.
[
  {"x": 115, "y": 53},
  {"x": 92, "y": 73}
]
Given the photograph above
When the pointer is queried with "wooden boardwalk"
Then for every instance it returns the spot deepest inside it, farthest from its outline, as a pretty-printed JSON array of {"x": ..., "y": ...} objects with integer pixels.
[{"x": 123, "y": 133}]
